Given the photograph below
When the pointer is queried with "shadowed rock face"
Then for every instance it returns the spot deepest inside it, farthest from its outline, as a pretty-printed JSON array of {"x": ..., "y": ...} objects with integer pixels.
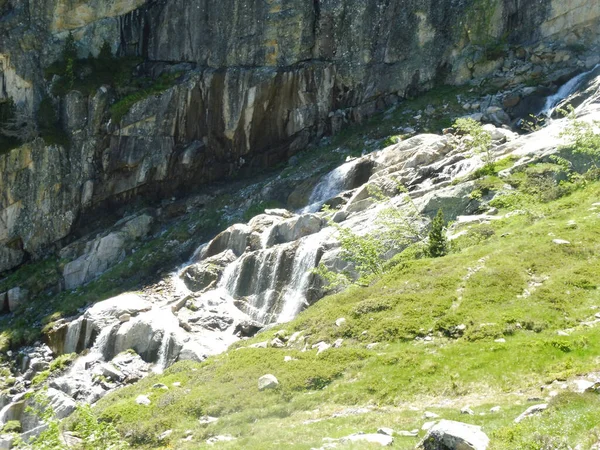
[{"x": 262, "y": 79}]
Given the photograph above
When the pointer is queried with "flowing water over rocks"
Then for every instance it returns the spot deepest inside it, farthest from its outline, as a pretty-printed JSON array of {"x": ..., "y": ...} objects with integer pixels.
[{"x": 260, "y": 273}]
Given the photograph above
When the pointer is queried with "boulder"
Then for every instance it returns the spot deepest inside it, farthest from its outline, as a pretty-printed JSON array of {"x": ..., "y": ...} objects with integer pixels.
[
  {"x": 451, "y": 435},
  {"x": 267, "y": 382},
  {"x": 206, "y": 274},
  {"x": 143, "y": 400},
  {"x": 62, "y": 405},
  {"x": 295, "y": 228},
  {"x": 234, "y": 238},
  {"x": 532, "y": 410},
  {"x": 247, "y": 328},
  {"x": 7, "y": 441},
  {"x": 192, "y": 351},
  {"x": 16, "y": 297}
]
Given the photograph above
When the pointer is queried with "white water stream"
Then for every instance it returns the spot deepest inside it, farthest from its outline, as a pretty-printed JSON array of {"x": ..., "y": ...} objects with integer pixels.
[{"x": 565, "y": 91}]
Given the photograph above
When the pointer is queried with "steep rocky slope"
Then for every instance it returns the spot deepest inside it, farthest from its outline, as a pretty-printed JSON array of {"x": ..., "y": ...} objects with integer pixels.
[
  {"x": 261, "y": 273},
  {"x": 255, "y": 82}
]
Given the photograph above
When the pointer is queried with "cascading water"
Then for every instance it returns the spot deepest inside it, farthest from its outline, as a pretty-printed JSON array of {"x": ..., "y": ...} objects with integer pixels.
[
  {"x": 565, "y": 91},
  {"x": 305, "y": 261},
  {"x": 330, "y": 185}
]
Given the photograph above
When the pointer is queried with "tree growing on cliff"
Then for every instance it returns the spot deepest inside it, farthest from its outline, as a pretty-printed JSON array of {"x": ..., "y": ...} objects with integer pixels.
[{"x": 69, "y": 57}]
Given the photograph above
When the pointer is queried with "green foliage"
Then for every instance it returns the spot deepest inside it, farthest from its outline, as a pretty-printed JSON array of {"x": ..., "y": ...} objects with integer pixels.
[
  {"x": 12, "y": 426},
  {"x": 122, "y": 107},
  {"x": 69, "y": 52},
  {"x": 7, "y": 116},
  {"x": 438, "y": 243},
  {"x": 584, "y": 138},
  {"x": 49, "y": 124},
  {"x": 476, "y": 139},
  {"x": 92, "y": 433}
]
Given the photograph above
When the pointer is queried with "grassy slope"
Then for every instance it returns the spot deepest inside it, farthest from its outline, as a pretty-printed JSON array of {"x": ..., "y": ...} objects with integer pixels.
[{"x": 402, "y": 377}]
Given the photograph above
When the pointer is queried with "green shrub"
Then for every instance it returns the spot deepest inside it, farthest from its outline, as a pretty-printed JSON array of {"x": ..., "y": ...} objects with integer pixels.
[
  {"x": 438, "y": 243},
  {"x": 12, "y": 426}
]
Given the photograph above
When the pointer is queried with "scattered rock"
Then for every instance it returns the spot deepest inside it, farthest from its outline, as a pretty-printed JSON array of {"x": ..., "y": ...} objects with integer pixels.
[
  {"x": 338, "y": 343},
  {"x": 386, "y": 431},
  {"x": 213, "y": 440},
  {"x": 561, "y": 242},
  {"x": 277, "y": 343},
  {"x": 495, "y": 409},
  {"x": 372, "y": 345},
  {"x": 205, "y": 420},
  {"x": 267, "y": 382},
  {"x": 380, "y": 439},
  {"x": 451, "y": 435},
  {"x": 165, "y": 435},
  {"x": 321, "y": 346},
  {"x": 430, "y": 415},
  {"x": 160, "y": 386},
  {"x": 143, "y": 400},
  {"x": 467, "y": 410},
  {"x": 341, "y": 321},
  {"x": 535, "y": 409},
  {"x": 405, "y": 433}
]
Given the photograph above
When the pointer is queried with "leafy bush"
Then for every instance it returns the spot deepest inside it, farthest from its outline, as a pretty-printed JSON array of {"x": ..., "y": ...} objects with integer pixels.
[
  {"x": 476, "y": 139},
  {"x": 12, "y": 426}
]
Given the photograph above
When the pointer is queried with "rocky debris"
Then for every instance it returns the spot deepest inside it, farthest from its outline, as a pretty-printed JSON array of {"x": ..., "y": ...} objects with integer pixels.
[
  {"x": 451, "y": 435},
  {"x": 267, "y": 382},
  {"x": 221, "y": 438},
  {"x": 386, "y": 431},
  {"x": 560, "y": 242},
  {"x": 430, "y": 415},
  {"x": 247, "y": 328},
  {"x": 339, "y": 322},
  {"x": 321, "y": 347},
  {"x": 532, "y": 410},
  {"x": 143, "y": 400},
  {"x": 495, "y": 409},
  {"x": 111, "y": 372},
  {"x": 373, "y": 438},
  {"x": 205, "y": 420},
  {"x": 467, "y": 410},
  {"x": 165, "y": 435}
]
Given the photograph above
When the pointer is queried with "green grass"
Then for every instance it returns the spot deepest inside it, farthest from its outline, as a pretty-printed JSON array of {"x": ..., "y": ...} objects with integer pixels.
[{"x": 403, "y": 376}]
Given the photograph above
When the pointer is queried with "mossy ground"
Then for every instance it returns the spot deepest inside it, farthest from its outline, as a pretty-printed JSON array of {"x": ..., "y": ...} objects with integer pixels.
[{"x": 514, "y": 283}]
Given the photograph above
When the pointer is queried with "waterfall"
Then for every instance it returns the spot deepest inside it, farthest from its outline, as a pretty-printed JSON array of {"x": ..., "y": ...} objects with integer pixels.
[
  {"x": 564, "y": 92},
  {"x": 305, "y": 261},
  {"x": 328, "y": 187}
]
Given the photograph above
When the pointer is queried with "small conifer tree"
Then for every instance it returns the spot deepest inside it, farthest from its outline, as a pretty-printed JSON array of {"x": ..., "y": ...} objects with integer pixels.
[{"x": 438, "y": 244}]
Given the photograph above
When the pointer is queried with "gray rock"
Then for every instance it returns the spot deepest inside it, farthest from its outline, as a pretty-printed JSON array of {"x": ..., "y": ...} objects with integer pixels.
[
  {"x": 532, "y": 410},
  {"x": 16, "y": 297},
  {"x": 267, "y": 382},
  {"x": 143, "y": 400},
  {"x": 451, "y": 435},
  {"x": 7, "y": 441},
  {"x": 111, "y": 372},
  {"x": 381, "y": 439}
]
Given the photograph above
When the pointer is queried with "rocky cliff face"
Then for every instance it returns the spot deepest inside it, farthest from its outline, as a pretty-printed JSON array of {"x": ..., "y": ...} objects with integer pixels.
[{"x": 261, "y": 80}]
